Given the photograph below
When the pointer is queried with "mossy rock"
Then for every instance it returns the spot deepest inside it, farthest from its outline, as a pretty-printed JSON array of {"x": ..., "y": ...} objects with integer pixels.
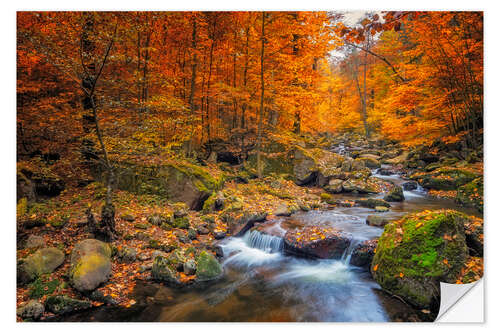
[
  {"x": 43, "y": 261},
  {"x": 369, "y": 162},
  {"x": 417, "y": 252},
  {"x": 207, "y": 267},
  {"x": 372, "y": 203},
  {"x": 175, "y": 180},
  {"x": 163, "y": 272},
  {"x": 63, "y": 304},
  {"x": 395, "y": 194},
  {"x": 445, "y": 179},
  {"x": 471, "y": 194},
  {"x": 90, "y": 264}
]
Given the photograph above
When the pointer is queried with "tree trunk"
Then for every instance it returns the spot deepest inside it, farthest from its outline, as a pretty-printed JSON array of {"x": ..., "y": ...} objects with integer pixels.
[{"x": 261, "y": 111}]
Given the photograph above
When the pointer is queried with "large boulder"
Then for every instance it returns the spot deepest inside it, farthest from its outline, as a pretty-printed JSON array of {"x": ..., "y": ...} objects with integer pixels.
[
  {"x": 395, "y": 194},
  {"x": 309, "y": 163},
  {"x": 90, "y": 264},
  {"x": 207, "y": 267},
  {"x": 176, "y": 180},
  {"x": 417, "y": 252},
  {"x": 445, "y": 179},
  {"x": 316, "y": 242},
  {"x": 43, "y": 261},
  {"x": 369, "y": 162}
]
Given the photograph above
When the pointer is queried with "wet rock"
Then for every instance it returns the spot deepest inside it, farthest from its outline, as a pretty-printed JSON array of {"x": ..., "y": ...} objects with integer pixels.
[
  {"x": 63, "y": 304},
  {"x": 207, "y": 267},
  {"x": 43, "y": 261},
  {"x": 31, "y": 310},
  {"x": 372, "y": 203},
  {"x": 410, "y": 186},
  {"x": 417, "y": 252},
  {"x": 34, "y": 241},
  {"x": 316, "y": 242},
  {"x": 363, "y": 253},
  {"x": 90, "y": 264},
  {"x": 377, "y": 220},
  {"x": 385, "y": 172},
  {"x": 395, "y": 194},
  {"x": 381, "y": 209}
]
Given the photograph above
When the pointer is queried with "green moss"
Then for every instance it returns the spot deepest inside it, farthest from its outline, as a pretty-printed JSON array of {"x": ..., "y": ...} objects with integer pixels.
[
  {"x": 207, "y": 267},
  {"x": 181, "y": 223},
  {"x": 471, "y": 194},
  {"x": 209, "y": 204},
  {"x": 43, "y": 286},
  {"x": 22, "y": 207},
  {"x": 154, "y": 244},
  {"x": 88, "y": 263},
  {"x": 417, "y": 252}
]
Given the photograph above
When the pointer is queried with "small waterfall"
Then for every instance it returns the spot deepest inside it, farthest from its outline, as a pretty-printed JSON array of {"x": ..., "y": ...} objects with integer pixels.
[
  {"x": 346, "y": 256},
  {"x": 266, "y": 243}
]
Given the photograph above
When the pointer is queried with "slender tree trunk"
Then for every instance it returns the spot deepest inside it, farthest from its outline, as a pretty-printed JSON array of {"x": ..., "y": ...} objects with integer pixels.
[{"x": 261, "y": 111}]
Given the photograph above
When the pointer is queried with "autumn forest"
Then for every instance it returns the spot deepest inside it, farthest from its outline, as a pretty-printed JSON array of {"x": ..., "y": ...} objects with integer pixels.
[{"x": 198, "y": 166}]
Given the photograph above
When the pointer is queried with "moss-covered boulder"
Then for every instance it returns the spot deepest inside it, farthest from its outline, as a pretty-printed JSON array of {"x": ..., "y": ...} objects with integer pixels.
[
  {"x": 471, "y": 194},
  {"x": 90, "y": 264},
  {"x": 369, "y": 162},
  {"x": 377, "y": 220},
  {"x": 309, "y": 163},
  {"x": 417, "y": 252},
  {"x": 63, "y": 304},
  {"x": 395, "y": 194},
  {"x": 445, "y": 179},
  {"x": 176, "y": 180},
  {"x": 43, "y": 261},
  {"x": 207, "y": 267}
]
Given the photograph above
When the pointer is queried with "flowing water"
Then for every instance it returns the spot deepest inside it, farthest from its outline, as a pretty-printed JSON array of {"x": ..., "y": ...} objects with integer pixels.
[{"x": 261, "y": 283}]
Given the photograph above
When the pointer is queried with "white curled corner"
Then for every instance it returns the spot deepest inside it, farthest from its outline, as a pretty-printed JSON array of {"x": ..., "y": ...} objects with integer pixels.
[{"x": 461, "y": 303}]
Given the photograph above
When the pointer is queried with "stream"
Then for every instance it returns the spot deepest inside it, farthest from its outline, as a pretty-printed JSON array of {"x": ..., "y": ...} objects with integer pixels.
[{"x": 263, "y": 284}]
